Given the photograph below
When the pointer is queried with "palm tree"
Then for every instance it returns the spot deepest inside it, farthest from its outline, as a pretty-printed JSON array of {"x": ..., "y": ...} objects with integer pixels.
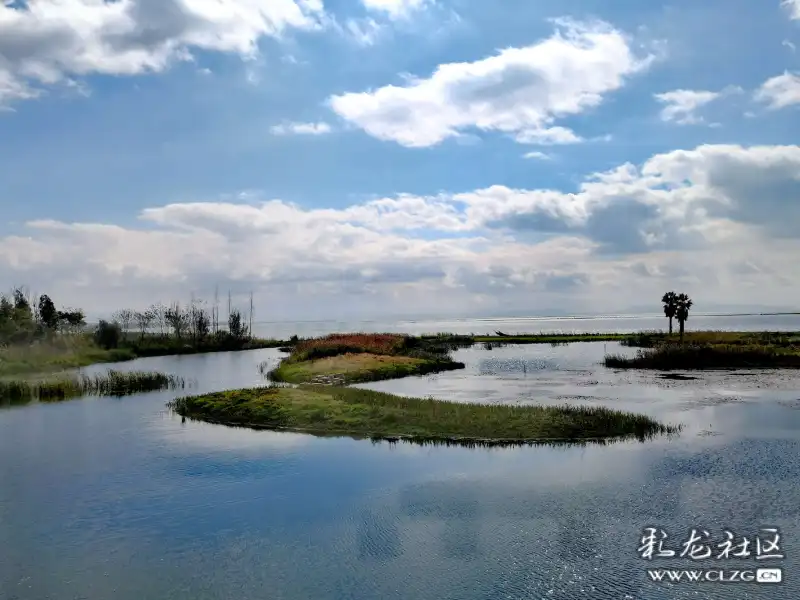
[
  {"x": 670, "y": 307},
  {"x": 683, "y": 304}
]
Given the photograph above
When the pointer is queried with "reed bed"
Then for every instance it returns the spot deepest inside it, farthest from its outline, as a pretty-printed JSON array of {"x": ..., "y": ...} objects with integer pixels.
[{"x": 111, "y": 383}]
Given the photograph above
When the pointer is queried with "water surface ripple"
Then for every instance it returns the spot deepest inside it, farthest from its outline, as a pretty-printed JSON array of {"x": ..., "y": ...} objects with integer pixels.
[{"x": 118, "y": 498}]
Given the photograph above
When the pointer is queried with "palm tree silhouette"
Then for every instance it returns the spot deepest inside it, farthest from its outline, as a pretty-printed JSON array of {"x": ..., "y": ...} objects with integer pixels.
[
  {"x": 670, "y": 307},
  {"x": 682, "y": 305}
]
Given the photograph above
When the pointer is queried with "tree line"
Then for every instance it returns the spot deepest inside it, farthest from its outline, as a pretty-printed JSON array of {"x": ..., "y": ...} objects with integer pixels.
[
  {"x": 24, "y": 317},
  {"x": 193, "y": 323}
]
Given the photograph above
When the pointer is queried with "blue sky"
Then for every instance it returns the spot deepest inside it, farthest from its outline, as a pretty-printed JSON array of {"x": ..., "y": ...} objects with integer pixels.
[{"x": 407, "y": 147}]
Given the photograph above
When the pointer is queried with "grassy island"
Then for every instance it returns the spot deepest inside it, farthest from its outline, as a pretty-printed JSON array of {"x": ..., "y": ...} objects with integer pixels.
[
  {"x": 350, "y": 358},
  {"x": 326, "y": 410}
]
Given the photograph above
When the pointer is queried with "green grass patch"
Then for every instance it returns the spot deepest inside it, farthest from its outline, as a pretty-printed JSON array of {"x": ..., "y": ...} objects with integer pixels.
[
  {"x": 112, "y": 383},
  {"x": 709, "y": 356},
  {"x": 365, "y": 413}
]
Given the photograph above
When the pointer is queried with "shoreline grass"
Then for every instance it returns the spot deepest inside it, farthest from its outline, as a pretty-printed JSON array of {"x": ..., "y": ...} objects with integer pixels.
[
  {"x": 112, "y": 383},
  {"x": 69, "y": 351},
  {"x": 649, "y": 338},
  {"x": 668, "y": 357},
  {"x": 550, "y": 338},
  {"x": 63, "y": 352},
  {"x": 352, "y": 412}
]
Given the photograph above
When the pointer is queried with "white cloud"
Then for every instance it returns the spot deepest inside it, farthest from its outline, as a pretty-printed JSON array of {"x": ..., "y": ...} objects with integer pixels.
[
  {"x": 793, "y": 6},
  {"x": 45, "y": 42},
  {"x": 681, "y": 105},
  {"x": 780, "y": 91},
  {"x": 548, "y": 137},
  {"x": 789, "y": 45},
  {"x": 692, "y": 217},
  {"x": 537, "y": 155},
  {"x": 519, "y": 91},
  {"x": 395, "y": 9},
  {"x": 320, "y": 128}
]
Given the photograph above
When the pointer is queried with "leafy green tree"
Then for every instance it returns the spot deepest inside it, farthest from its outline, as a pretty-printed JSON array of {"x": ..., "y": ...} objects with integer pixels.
[
  {"x": 72, "y": 318},
  {"x": 670, "y": 307},
  {"x": 48, "y": 315},
  {"x": 236, "y": 325},
  {"x": 682, "y": 306},
  {"x": 6, "y": 309},
  {"x": 108, "y": 335},
  {"x": 23, "y": 315},
  {"x": 20, "y": 301}
]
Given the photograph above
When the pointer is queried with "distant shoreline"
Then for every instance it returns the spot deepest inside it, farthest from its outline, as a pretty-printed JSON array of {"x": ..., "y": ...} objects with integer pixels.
[{"x": 516, "y": 318}]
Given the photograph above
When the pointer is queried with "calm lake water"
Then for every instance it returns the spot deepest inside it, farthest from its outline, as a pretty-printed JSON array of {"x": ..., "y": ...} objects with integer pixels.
[{"x": 118, "y": 498}]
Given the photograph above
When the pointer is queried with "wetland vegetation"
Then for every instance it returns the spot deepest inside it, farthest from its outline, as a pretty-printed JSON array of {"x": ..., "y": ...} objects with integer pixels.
[
  {"x": 327, "y": 410},
  {"x": 112, "y": 383},
  {"x": 36, "y": 337},
  {"x": 706, "y": 349},
  {"x": 668, "y": 356}
]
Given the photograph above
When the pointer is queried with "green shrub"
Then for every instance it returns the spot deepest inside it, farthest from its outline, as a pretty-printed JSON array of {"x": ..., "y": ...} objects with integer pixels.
[{"x": 107, "y": 335}]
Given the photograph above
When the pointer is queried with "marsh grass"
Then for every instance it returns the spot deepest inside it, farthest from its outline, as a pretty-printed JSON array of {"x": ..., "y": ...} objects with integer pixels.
[
  {"x": 709, "y": 356},
  {"x": 380, "y": 416},
  {"x": 112, "y": 383}
]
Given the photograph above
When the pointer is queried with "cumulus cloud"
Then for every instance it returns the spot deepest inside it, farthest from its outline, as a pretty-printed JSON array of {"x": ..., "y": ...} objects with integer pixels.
[
  {"x": 780, "y": 91},
  {"x": 687, "y": 217},
  {"x": 518, "y": 91},
  {"x": 320, "y": 128},
  {"x": 44, "y": 42}
]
